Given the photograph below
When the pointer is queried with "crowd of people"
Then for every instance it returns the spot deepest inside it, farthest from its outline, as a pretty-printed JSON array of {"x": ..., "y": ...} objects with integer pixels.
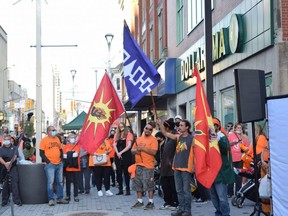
[{"x": 130, "y": 163}]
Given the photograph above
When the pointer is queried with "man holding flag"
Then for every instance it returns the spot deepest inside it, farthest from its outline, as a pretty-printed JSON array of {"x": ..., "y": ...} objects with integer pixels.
[{"x": 105, "y": 108}]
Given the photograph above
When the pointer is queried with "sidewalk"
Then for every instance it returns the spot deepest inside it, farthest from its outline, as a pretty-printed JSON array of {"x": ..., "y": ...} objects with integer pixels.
[{"x": 91, "y": 203}]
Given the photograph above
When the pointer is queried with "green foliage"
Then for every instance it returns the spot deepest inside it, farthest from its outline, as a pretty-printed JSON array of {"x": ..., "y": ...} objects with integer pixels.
[{"x": 30, "y": 129}]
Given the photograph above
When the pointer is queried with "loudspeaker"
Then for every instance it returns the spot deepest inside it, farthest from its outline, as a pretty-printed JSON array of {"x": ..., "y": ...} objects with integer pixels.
[{"x": 250, "y": 94}]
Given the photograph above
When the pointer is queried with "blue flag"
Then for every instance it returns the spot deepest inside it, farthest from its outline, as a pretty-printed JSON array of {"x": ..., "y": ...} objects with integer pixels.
[{"x": 139, "y": 73}]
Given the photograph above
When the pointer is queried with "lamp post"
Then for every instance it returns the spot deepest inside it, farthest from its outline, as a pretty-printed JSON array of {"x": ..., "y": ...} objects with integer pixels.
[
  {"x": 109, "y": 38},
  {"x": 73, "y": 73}
]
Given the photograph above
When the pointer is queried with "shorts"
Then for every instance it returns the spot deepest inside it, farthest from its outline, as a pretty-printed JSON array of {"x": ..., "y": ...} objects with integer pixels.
[{"x": 143, "y": 180}]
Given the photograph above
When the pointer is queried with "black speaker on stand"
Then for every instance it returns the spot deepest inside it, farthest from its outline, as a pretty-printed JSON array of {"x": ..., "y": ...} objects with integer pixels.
[{"x": 251, "y": 96}]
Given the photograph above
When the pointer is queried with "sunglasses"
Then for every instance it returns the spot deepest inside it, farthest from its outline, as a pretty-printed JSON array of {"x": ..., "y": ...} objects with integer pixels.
[{"x": 150, "y": 129}]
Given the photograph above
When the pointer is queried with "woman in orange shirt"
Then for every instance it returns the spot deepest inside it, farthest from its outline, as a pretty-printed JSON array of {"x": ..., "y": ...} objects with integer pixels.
[{"x": 102, "y": 171}]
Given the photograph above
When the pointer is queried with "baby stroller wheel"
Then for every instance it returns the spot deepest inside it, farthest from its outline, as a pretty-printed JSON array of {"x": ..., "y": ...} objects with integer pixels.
[
  {"x": 234, "y": 201},
  {"x": 239, "y": 202}
]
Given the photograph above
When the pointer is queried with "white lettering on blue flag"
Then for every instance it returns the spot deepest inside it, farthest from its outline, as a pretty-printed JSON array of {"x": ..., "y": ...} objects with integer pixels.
[{"x": 137, "y": 76}]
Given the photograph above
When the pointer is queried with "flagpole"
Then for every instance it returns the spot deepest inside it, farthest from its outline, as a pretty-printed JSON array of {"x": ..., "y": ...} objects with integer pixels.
[{"x": 154, "y": 106}]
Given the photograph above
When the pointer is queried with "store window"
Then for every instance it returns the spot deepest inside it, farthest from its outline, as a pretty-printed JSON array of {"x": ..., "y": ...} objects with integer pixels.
[
  {"x": 192, "y": 110},
  {"x": 180, "y": 21},
  {"x": 228, "y": 106},
  {"x": 195, "y": 11}
]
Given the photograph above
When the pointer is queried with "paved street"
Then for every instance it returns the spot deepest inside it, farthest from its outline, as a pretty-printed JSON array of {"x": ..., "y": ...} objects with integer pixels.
[{"x": 92, "y": 202}]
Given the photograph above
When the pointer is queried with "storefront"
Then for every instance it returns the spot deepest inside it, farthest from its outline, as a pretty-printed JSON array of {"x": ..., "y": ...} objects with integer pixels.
[{"x": 244, "y": 39}]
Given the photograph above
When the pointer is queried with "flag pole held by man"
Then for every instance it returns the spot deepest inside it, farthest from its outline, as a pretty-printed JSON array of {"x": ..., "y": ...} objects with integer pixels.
[
  {"x": 206, "y": 150},
  {"x": 105, "y": 108},
  {"x": 140, "y": 74}
]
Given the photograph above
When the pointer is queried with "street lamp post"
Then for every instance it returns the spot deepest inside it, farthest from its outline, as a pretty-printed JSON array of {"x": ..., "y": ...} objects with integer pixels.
[
  {"x": 109, "y": 38},
  {"x": 73, "y": 73}
]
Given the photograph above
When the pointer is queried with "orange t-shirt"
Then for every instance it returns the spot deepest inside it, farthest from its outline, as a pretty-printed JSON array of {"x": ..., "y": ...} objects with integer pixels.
[
  {"x": 51, "y": 147},
  {"x": 261, "y": 143},
  {"x": 75, "y": 148},
  {"x": 101, "y": 150},
  {"x": 149, "y": 142}
]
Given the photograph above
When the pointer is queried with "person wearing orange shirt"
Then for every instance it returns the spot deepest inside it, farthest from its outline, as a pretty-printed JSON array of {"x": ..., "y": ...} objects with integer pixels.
[
  {"x": 52, "y": 154},
  {"x": 144, "y": 149},
  {"x": 71, "y": 152},
  {"x": 102, "y": 171}
]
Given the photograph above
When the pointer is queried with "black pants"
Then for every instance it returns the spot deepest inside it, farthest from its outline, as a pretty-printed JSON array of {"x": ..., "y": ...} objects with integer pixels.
[
  {"x": 72, "y": 177},
  {"x": 120, "y": 170},
  {"x": 201, "y": 192},
  {"x": 84, "y": 185},
  {"x": 112, "y": 172},
  {"x": 100, "y": 173},
  {"x": 169, "y": 190},
  {"x": 238, "y": 179},
  {"x": 14, "y": 185}
]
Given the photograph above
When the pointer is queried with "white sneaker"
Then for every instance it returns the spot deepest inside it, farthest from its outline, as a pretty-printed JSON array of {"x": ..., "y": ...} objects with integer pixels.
[
  {"x": 100, "y": 193},
  {"x": 108, "y": 193}
]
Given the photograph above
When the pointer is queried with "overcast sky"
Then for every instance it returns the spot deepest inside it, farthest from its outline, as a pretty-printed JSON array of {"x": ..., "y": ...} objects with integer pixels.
[{"x": 64, "y": 22}]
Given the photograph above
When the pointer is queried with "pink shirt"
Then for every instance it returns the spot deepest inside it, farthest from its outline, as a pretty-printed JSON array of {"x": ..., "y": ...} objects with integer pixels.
[{"x": 235, "y": 149}]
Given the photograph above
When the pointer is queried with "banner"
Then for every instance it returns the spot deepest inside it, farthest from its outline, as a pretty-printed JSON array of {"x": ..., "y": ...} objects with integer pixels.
[
  {"x": 139, "y": 73},
  {"x": 207, "y": 155},
  {"x": 277, "y": 109},
  {"x": 104, "y": 110}
]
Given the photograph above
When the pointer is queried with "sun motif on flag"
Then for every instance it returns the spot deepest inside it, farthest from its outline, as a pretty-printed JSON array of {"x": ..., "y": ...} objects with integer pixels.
[{"x": 100, "y": 113}]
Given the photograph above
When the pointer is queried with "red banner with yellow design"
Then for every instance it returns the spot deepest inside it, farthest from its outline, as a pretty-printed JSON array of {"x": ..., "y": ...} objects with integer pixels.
[
  {"x": 105, "y": 108},
  {"x": 206, "y": 150}
]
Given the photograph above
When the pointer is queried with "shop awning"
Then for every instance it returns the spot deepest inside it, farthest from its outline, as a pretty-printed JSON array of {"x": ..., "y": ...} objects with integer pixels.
[{"x": 76, "y": 123}]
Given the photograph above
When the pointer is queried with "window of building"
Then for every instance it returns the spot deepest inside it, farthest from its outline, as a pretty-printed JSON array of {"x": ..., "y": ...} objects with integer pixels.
[
  {"x": 192, "y": 110},
  {"x": 268, "y": 83},
  {"x": 180, "y": 21},
  {"x": 228, "y": 106},
  {"x": 195, "y": 11},
  {"x": 143, "y": 17},
  {"x": 160, "y": 32}
]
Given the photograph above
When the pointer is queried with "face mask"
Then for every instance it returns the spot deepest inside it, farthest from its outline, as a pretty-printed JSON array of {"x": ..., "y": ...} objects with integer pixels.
[
  {"x": 72, "y": 140},
  {"x": 121, "y": 129},
  {"x": 54, "y": 133},
  {"x": 238, "y": 131},
  {"x": 6, "y": 142}
]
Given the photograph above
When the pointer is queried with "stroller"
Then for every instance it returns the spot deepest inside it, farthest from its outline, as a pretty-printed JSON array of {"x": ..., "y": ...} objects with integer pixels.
[{"x": 248, "y": 190}]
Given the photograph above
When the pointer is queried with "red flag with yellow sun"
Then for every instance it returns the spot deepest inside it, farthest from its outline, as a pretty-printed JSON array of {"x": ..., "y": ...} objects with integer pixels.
[
  {"x": 105, "y": 108},
  {"x": 206, "y": 150}
]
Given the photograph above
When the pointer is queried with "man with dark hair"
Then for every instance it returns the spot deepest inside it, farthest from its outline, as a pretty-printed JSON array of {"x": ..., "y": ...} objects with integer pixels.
[
  {"x": 166, "y": 171},
  {"x": 183, "y": 165},
  {"x": 52, "y": 154},
  {"x": 144, "y": 149}
]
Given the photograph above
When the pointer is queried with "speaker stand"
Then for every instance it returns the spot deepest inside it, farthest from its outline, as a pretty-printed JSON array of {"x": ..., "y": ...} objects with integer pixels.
[{"x": 258, "y": 205}]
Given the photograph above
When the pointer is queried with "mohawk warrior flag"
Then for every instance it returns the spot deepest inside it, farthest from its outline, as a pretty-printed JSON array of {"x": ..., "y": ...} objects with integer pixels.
[
  {"x": 207, "y": 155},
  {"x": 105, "y": 108},
  {"x": 140, "y": 74}
]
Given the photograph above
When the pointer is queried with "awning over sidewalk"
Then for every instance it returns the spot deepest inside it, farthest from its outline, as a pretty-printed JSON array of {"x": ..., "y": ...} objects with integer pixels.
[{"x": 76, "y": 123}]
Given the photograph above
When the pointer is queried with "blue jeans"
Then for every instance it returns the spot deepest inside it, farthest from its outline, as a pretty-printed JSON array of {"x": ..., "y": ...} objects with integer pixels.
[
  {"x": 54, "y": 172},
  {"x": 218, "y": 193},
  {"x": 182, "y": 183}
]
